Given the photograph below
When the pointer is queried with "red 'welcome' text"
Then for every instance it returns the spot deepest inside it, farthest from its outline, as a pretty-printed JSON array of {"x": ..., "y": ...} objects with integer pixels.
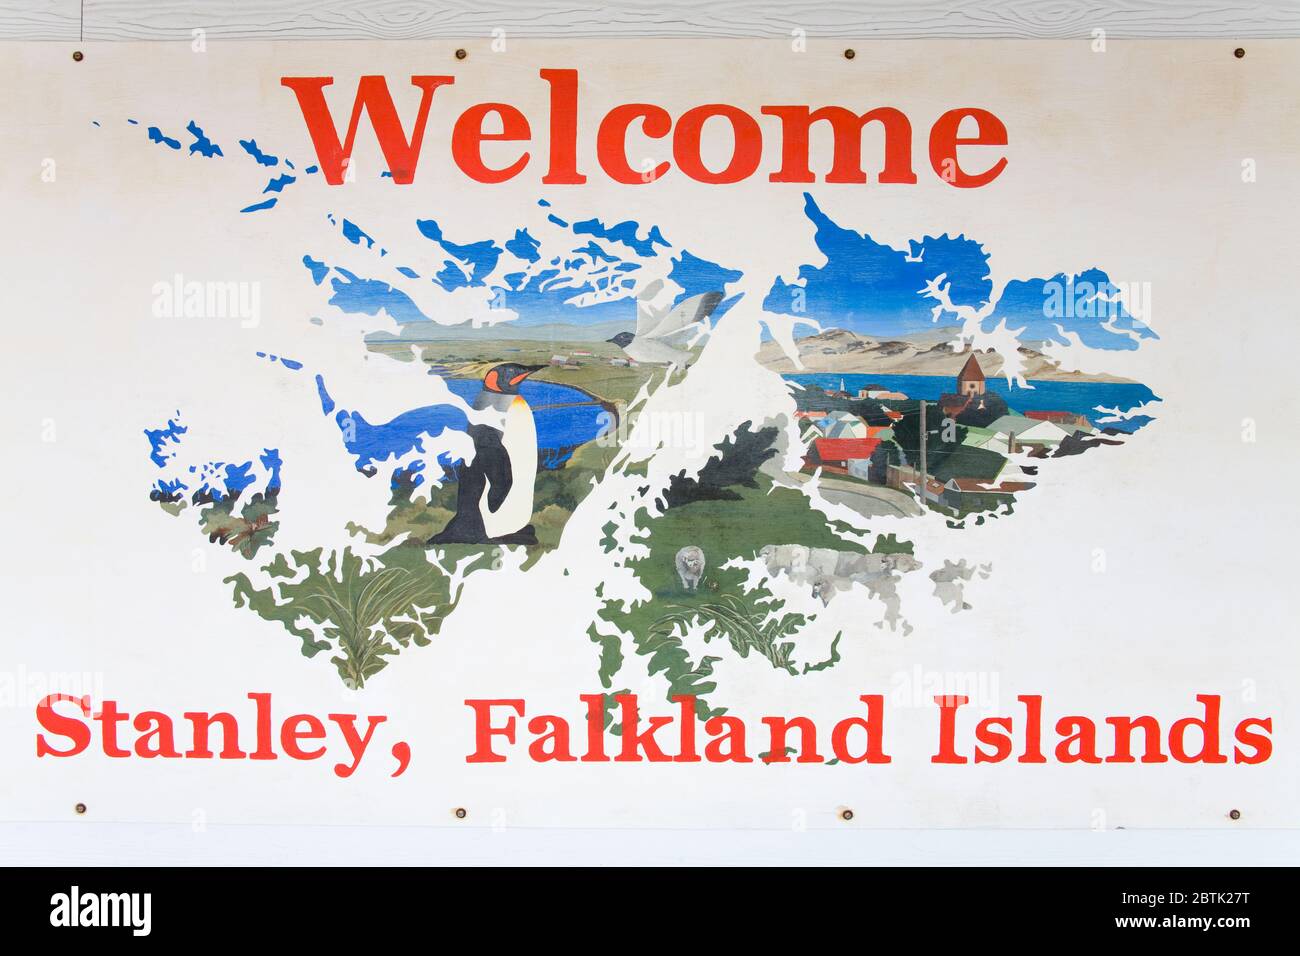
[{"x": 640, "y": 129}]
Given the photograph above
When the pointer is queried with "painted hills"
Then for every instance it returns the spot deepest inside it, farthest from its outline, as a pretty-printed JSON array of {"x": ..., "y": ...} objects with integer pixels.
[{"x": 838, "y": 350}]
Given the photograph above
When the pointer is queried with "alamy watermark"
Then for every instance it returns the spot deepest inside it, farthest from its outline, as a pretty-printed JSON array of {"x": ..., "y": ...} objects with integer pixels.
[
  {"x": 919, "y": 687},
  {"x": 25, "y": 688},
  {"x": 680, "y": 430},
  {"x": 1080, "y": 298},
  {"x": 179, "y": 298},
  {"x": 77, "y": 908}
]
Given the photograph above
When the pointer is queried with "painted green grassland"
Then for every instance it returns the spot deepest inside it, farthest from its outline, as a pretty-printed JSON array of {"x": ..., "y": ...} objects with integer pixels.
[
  {"x": 749, "y": 621},
  {"x": 594, "y": 374},
  {"x": 370, "y": 609},
  {"x": 415, "y": 516}
]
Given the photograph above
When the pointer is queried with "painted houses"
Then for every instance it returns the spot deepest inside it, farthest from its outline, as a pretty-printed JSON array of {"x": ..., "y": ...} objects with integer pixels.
[
  {"x": 1070, "y": 421},
  {"x": 965, "y": 495},
  {"x": 846, "y": 456},
  {"x": 1028, "y": 432},
  {"x": 977, "y": 437},
  {"x": 880, "y": 393},
  {"x": 843, "y": 425}
]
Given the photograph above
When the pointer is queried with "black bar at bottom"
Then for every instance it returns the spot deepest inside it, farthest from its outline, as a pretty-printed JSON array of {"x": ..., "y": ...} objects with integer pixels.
[{"x": 334, "y": 906}]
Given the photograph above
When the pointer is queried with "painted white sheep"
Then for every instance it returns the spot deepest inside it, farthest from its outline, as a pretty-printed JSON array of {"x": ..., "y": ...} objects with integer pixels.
[{"x": 690, "y": 566}]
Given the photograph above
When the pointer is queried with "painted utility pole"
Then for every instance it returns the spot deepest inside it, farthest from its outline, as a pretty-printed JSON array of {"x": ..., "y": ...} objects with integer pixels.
[{"x": 923, "y": 462}]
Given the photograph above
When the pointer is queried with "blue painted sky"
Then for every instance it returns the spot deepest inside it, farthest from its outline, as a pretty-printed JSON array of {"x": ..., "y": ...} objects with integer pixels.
[
  {"x": 538, "y": 277},
  {"x": 876, "y": 289},
  {"x": 200, "y": 480},
  {"x": 204, "y": 146},
  {"x": 1078, "y": 303},
  {"x": 865, "y": 286}
]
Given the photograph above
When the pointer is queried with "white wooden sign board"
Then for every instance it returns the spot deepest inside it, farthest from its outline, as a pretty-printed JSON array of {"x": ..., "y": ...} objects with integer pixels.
[{"x": 608, "y": 393}]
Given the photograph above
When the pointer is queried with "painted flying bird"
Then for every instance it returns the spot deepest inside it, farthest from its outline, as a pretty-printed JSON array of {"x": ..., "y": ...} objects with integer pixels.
[
  {"x": 664, "y": 336},
  {"x": 494, "y": 493}
]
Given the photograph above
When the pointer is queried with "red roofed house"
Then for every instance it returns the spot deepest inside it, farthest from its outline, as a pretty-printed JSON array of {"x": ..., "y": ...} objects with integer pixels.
[
  {"x": 838, "y": 455},
  {"x": 1066, "y": 420}
]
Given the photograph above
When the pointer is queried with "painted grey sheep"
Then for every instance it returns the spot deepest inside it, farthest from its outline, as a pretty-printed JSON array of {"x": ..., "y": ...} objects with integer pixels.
[
  {"x": 690, "y": 566},
  {"x": 827, "y": 571},
  {"x": 790, "y": 558}
]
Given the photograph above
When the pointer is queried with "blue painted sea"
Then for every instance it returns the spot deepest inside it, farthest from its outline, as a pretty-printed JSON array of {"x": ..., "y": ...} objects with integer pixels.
[
  {"x": 579, "y": 419},
  {"x": 1083, "y": 398}
]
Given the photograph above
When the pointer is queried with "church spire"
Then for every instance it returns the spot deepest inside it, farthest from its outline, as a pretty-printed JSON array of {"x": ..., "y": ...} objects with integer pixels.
[{"x": 970, "y": 380}]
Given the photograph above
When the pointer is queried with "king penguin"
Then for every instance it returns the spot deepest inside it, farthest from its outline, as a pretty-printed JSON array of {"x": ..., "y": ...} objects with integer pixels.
[{"x": 494, "y": 494}]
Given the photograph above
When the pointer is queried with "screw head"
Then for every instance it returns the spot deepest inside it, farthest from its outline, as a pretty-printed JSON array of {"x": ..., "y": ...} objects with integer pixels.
[
  {"x": 850, "y": 53},
  {"x": 1234, "y": 814},
  {"x": 1239, "y": 52},
  {"x": 461, "y": 53},
  {"x": 80, "y": 808},
  {"x": 78, "y": 56},
  {"x": 846, "y": 814},
  {"x": 461, "y": 813}
]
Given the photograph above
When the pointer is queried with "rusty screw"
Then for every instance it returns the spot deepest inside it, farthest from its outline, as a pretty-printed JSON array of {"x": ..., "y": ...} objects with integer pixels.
[
  {"x": 80, "y": 808},
  {"x": 850, "y": 53},
  {"x": 846, "y": 814},
  {"x": 1234, "y": 814},
  {"x": 77, "y": 56},
  {"x": 461, "y": 813},
  {"x": 461, "y": 53},
  {"x": 1239, "y": 52}
]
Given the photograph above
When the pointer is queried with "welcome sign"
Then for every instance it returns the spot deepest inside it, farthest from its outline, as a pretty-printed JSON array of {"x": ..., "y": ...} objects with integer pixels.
[{"x": 716, "y": 434}]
